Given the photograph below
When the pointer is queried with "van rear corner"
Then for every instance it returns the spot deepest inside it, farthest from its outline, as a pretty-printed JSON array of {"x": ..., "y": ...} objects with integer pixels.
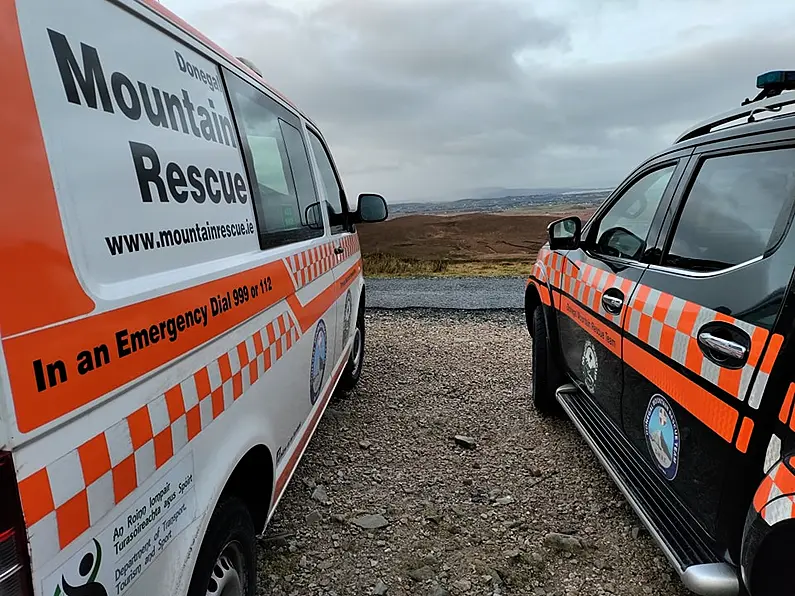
[{"x": 15, "y": 573}]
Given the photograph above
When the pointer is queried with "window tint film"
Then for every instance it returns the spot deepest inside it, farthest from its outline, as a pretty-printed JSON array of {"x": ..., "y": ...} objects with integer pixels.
[
  {"x": 736, "y": 210},
  {"x": 623, "y": 231},
  {"x": 335, "y": 198},
  {"x": 278, "y": 165}
]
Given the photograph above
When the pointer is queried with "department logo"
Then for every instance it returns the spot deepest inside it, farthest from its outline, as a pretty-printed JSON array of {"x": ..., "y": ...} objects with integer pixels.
[
  {"x": 346, "y": 319},
  {"x": 88, "y": 570},
  {"x": 662, "y": 435},
  {"x": 318, "y": 362},
  {"x": 590, "y": 366}
]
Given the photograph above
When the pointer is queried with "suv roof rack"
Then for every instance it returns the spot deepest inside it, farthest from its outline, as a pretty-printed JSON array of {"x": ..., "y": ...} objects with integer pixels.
[{"x": 768, "y": 100}]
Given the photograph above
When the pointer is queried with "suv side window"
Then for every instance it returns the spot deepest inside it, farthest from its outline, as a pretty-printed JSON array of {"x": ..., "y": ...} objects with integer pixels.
[
  {"x": 335, "y": 197},
  {"x": 623, "y": 231},
  {"x": 737, "y": 209},
  {"x": 278, "y": 165}
]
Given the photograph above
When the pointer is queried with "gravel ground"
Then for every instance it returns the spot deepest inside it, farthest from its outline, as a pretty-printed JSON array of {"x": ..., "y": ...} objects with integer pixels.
[
  {"x": 525, "y": 509},
  {"x": 446, "y": 292}
]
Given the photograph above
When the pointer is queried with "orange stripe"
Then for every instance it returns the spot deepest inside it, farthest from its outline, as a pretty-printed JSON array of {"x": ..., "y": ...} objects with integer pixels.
[
  {"x": 758, "y": 338},
  {"x": 641, "y": 295},
  {"x": 763, "y": 492},
  {"x": 687, "y": 320},
  {"x": 663, "y": 304},
  {"x": 694, "y": 359},
  {"x": 543, "y": 292},
  {"x": 729, "y": 380},
  {"x": 710, "y": 410},
  {"x": 786, "y": 407},
  {"x": 744, "y": 436},
  {"x": 771, "y": 353},
  {"x": 32, "y": 243},
  {"x": 308, "y": 314},
  {"x": 65, "y": 341},
  {"x": 36, "y": 496},
  {"x": 602, "y": 333}
]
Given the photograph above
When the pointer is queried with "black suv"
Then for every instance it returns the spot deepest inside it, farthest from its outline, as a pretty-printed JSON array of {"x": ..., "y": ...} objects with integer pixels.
[{"x": 663, "y": 328}]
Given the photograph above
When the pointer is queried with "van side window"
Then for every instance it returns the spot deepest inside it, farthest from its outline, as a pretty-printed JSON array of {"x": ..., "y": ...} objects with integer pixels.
[
  {"x": 278, "y": 165},
  {"x": 737, "y": 209},
  {"x": 335, "y": 197}
]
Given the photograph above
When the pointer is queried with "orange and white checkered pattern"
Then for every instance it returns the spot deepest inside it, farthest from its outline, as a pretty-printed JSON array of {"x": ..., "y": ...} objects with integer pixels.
[
  {"x": 68, "y": 496},
  {"x": 775, "y": 498},
  {"x": 306, "y": 266},
  {"x": 668, "y": 324}
]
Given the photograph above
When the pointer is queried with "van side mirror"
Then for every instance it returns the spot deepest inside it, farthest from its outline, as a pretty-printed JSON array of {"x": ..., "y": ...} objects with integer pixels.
[
  {"x": 313, "y": 217},
  {"x": 564, "y": 234},
  {"x": 372, "y": 208}
]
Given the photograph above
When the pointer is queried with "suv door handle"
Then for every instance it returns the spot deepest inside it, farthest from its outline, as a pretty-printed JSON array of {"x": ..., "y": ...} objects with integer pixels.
[
  {"x": 613, "y": 301},
  {"x": 722, "y": 346}
]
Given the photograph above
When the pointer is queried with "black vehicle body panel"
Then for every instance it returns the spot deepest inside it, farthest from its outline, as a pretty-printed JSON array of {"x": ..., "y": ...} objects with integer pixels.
[{"x": 719, "y": 474}]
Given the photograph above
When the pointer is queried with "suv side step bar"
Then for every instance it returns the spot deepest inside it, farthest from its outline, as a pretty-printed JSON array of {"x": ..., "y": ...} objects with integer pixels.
[{"x": 702, "y": 573}]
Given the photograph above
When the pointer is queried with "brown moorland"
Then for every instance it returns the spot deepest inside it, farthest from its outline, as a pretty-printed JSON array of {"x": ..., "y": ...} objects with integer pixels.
[{"x": 462, "y": 244}]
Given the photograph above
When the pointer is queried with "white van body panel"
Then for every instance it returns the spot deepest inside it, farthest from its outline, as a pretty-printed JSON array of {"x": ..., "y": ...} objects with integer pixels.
[{"x": 122, "y": 452}]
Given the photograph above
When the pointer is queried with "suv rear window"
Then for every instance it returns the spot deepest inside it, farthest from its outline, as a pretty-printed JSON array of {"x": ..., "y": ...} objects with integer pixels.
[{"x": 737, "y": 209}]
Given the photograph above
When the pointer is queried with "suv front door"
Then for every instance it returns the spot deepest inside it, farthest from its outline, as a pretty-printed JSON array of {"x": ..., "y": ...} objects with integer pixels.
[
  {"x": 598, "y": 278},
  {"x": 697, "y": 346}
]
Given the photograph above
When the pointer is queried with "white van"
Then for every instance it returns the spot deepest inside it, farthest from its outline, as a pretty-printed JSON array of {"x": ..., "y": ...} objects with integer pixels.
[{"x": 181, "y": 293}]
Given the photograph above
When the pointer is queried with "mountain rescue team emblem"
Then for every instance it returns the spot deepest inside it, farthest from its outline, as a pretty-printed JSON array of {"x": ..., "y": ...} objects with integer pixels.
[
  {"x": 662, "y": 435},
  {"x": 318, "y": 366},
  {"x": 346, "y": 319},
  {"x": 590, "y": 366}
]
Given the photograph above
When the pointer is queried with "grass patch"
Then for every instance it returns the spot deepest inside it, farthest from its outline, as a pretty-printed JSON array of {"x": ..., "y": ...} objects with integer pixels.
[
  {"x": 385, "y": 265},
  {"x": 388, "y": 265}
]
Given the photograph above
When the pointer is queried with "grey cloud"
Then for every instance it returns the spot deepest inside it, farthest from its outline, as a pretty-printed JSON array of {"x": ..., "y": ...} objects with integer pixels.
[{"x": 421, "y": 98}]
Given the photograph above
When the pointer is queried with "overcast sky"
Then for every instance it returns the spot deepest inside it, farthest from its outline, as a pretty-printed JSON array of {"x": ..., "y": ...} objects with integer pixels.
[{"x": 432, "y": 99}]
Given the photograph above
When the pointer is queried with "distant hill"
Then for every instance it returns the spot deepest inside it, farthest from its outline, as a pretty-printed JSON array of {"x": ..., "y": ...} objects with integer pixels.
[{"x": 515, "y": 200}]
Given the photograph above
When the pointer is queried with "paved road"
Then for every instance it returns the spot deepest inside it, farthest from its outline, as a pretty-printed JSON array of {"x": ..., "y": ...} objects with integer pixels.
[{"x": 446, "y": 292}]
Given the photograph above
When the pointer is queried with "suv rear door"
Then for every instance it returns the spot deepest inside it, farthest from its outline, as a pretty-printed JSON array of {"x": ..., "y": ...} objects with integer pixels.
[
  {"x": 597, "y": 278},
  {"x": 689, "y": 404}
]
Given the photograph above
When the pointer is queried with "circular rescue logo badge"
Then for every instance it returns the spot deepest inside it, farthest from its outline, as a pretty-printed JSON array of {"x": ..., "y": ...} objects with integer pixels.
[
  {"x": 590, "y": 366},
  {"x": 662, "y": 435},
  {"x": 318, "y": 362},
  {"x": 346, "y": 319}
]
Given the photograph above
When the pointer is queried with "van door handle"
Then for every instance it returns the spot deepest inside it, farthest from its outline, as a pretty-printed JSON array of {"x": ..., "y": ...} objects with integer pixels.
[
  {"x": 613, "y": 301},
  {"x": 338, "y": 250},
  {"x": 722, "y": 346}
]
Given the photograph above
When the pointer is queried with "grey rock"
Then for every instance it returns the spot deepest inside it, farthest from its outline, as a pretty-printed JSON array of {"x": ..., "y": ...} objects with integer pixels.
[
  {"x": 314, "y": 517},
  {"x": 465, "y": 441},
  {"x": 422, "y": 574},
  {"x": 365, "y": 444},
  {"x": 637, "y": 532},
  {"x": 562, "y": 542},
  {"x": 371, "y": 522},
  {"x": 439, "y": 591},
  {"x": 464, "y": 585},
  {"x": 506, "y": 500},
  {"x": 380, "y": 588},
  {"x": 513, "y": 555},
  {"x": 496, "y": 578},
  {"x": 320, "y": 495}
]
